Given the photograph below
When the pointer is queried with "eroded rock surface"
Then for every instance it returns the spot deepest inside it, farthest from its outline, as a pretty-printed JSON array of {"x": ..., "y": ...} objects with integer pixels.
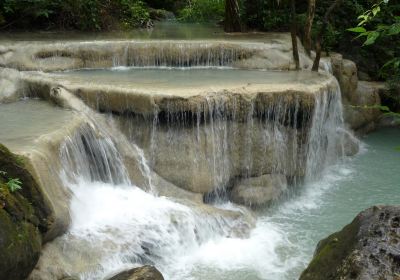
[
  {"x": 368, "y": 248},
  {"x": 258, "y": 191}
]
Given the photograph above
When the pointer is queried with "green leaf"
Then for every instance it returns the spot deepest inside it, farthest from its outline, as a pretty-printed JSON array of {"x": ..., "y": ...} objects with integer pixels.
[
  {"x": 376, "y": 10},
  {"x": 14, "y": 185},
  {"x": 372, "y": 36},
  {"x": 358, "y": 29},
  {"x": 397, "y": 148},
  {"x": 394, "y": 29}
]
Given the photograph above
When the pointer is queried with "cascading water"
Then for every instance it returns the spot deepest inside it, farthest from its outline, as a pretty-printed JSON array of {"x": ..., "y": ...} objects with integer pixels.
[
  {"x": 228, "y": 137},
  {"x": 117, "y": 225},
  {"x": 326, "y": 135}
]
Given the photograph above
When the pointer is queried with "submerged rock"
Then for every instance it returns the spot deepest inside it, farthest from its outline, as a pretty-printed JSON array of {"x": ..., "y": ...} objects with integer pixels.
[
  {"x": 256, "y": 192},
  {"x": 368, "y": 248},
  {"x": 146, "y": 272},
  {"x": 23, "y": 219}
]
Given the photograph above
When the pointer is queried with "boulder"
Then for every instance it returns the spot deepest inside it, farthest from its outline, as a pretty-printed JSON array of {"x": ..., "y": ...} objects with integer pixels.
[
  {"x": 345, "y": 72},
  {"x": 362, "y": 112},
  {"x": 258, "y": 191},
  {"x": 23, "y": 219},
  {"x": 350, "y": 145},
  {"x": 349, "y": 79},
  {"x": 367, "y": 248},
  {"x": 146, "y": 272}
]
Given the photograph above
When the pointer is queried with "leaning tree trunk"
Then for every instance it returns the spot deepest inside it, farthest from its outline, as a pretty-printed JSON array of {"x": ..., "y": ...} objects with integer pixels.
[
  {"x": 308, "y": 26},
  {"x": 321, "y": 34},
  {"x": 293, "y": 33},
  {"x": 232, "y": 21}
]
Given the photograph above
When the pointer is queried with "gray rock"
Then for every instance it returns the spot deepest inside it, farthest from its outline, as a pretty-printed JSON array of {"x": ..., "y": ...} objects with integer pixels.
[
  {"x": 141, "y": 273},
  {"x": 351, "y": 145},
  {"x": 259, "y": 191},
  {"x": 361, "y": 112},
  {"x": 368, "y": 248}
]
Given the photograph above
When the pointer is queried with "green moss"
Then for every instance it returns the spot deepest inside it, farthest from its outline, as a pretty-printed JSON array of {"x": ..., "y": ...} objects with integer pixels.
[
  {"x": 331, "y": 253},
  {"x": 23, "y": 216},
  {"x": 20, "y": 245},
  {"x": 15, "y": 166}
]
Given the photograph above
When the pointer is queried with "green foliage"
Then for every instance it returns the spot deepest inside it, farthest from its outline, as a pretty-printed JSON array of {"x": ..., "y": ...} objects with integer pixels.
[
  {"x": 135, "y": 13},
  {"x": 73, "y": 14},
  {"x": 13, "y": 184},
  {"x": 202, "y": 11},
  {"x": 379, "y": 29}
]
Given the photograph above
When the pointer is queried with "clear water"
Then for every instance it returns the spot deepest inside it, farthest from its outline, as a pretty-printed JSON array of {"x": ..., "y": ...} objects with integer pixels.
[
  {"x": 284, "y": 240},
  {"x": 23, "y": 122},
  {"x": 182, "y": 78}
]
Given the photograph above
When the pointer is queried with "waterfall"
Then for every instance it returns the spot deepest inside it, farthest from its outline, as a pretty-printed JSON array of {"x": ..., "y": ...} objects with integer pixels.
[
  {"x": 92, "y": 157},
  {"x": 117, "y": 225},
  {"x": 326, "y": 137},
  {"x": 227, "y": 136}
]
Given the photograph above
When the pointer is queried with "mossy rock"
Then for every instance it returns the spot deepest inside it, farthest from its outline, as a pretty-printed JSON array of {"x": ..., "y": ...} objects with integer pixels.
[
  {"x": 146, "y": 272},
  {"x": 330, "y": 253},
  {"x": 20, "y": 245},
  {"x": 367, "y": 248},
  {"x": 23, "y": 219},
  {"x": 13, "y": 165}
]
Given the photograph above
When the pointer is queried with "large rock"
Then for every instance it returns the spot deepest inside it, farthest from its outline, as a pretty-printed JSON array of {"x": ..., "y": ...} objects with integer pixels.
[
  {"x": 345, "y": 72},
  {"x": 362, "y": 113},
  {"x": 23, "y": 219},
  {"x": 360, "y": 98},
  {"x": 368, "y": 248},
  {"x": 259, "y": 191},
  {"x": 141, "y": 273}
]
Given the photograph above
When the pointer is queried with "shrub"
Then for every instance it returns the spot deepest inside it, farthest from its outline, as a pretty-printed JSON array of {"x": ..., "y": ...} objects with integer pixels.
[{"x": 202, "y": 11}]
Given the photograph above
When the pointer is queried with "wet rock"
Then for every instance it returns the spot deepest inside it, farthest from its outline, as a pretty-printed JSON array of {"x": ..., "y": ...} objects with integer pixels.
[
  {"x": 351, "y": 145},
  {"x": 259, "y": 191},
  {"x": 141, "y": 273},
  {"x": 273, "y": 55},
  {"x": 23, "y": 219},
  {"x": 368, "y": 248},
  {"x": 362, "y": 112},
  {"x": 202, "y": 158},
  {"x": 11, "y": 88}
]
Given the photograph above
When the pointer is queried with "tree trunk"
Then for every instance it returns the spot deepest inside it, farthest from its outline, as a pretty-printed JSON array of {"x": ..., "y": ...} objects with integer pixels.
[
  {"x": 321, "y": 34},
  {"x": 293, "y": 33},
  {"x": 308, "y": 26},
  {"x": 232, "y": 16}
]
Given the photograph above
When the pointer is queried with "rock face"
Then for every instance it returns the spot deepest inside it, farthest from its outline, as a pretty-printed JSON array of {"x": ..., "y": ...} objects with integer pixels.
[
  {"x": 360, "y": 99},
  {"x": 368, "y": 248},
  {"x": 141, "y": 273},
  {"x": 259, "y": 191},
  {"x": 362, "y": 112},
  {"x": 23, "y": 219}
]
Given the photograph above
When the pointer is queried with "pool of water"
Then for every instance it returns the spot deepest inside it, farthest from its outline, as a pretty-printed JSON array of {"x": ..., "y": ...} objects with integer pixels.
[
  {"x": 23, "y": 122},
  {"x": 181, "y": 78},
  {"x": 286, "y": 235}
]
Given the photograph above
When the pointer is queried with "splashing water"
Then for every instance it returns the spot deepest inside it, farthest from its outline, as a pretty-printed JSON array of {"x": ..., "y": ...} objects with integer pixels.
[{"x": 116, "y": 225}]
